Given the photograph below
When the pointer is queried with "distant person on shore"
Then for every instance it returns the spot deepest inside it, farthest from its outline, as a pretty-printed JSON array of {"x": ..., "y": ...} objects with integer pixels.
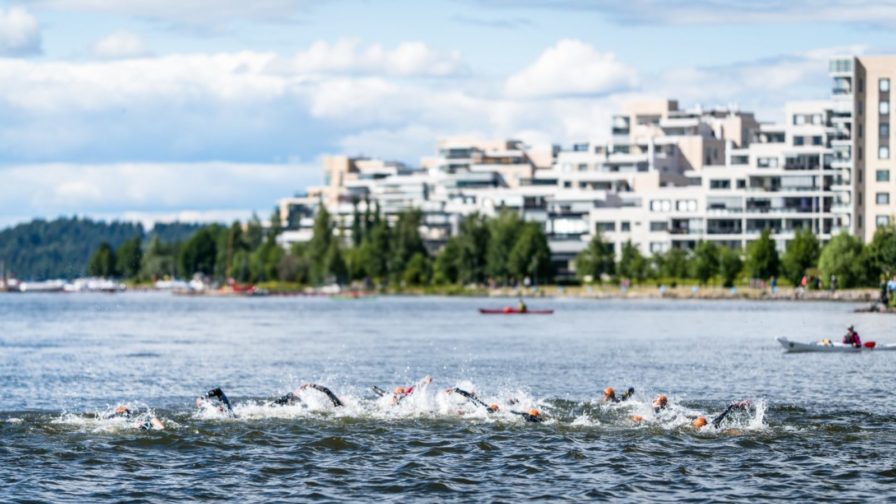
[
  {"x": 149, "y": 422},
  {"x": 773, "y": 282},
  {"x": 833, "y": 283},
  {"x": 521, "y": 306},
  {"x": 293, "y": 397},
  {"x": 852, "y": 337},
  {"x": 610, "y": 395}
]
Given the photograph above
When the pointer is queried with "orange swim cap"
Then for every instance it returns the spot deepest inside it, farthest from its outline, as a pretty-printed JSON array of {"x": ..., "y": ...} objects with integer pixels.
[
  {"x": 533, "y": 412},
  {"x": 637, "y": 418},
  {"x": 399, "y": 390},
  {"x": 493, "y": 407},
  {"x": 609, "y": 392},
  {"x": 660, "y": 401},
  {"x": 121, "y": 410},
  {"x": 699, "y": 422}
]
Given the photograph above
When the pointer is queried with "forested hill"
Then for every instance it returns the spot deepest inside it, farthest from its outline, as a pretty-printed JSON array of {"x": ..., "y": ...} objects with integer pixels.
[{"x": 61, "y": 248}]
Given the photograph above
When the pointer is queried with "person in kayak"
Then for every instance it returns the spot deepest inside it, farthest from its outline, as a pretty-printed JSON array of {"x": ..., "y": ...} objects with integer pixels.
[
  {"x": 293, "y": 397},
  {"x": 852, "y": 337},
  {"x": 149, "y": 422},
  {"x": 610, "y": 395},
  {"x": 521, "y": 306}
]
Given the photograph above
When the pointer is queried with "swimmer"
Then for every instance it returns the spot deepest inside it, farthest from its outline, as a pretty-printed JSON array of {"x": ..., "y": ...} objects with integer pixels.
[
  {"x": 701, "y": 422},
  {"x": 610, "y": 395},
  {"x": 400, "y": 393},
  {"x": 293, "y": 397},
  {"x": 216, "y": 397},
  {"x": 150, "y": 423},
  {"x": 491, "y": 408}
]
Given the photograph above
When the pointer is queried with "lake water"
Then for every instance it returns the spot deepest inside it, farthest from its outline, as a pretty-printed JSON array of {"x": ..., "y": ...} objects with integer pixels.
[{"x": 819, "y": 425}]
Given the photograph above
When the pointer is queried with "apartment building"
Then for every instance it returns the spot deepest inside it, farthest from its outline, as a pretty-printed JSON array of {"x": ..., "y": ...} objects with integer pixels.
[{"x": 667, "y": 177}]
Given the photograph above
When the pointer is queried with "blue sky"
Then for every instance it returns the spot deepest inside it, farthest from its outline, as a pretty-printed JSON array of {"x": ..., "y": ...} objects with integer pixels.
[{"x": 210, "y": 109}]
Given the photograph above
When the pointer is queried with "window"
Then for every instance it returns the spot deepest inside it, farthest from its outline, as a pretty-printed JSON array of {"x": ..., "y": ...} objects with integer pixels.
[
  {"x": 603, "y": 227},
  {"x": 660, "y": 206},
  {"x": 583, "y": 167},
  {"x": 799, "y": 119},
  {"x": 883, "y": 153},
  {"x": 882, "y": 220},
  {"x": 816, "y": 118},
  {"x": 625, "y": 226},
  {"x": 884, "y": 85},
  {"x": 741, "y": 183},
  {"x": 882, "y": 175},
  {"x": 658, "y": 247},
  {"x": 884, "y": 108},
  {"x": 816, "y": 140},
  {"x": 884, "y": 130},
  {"x": 882, "y": 198},
  {"x": 798, "y": 140},
  {"x": 720, "y": 184},
  {"x": 686, "y": 205},
  {"x": 567, "y": 184},
  {"x": 659, "y": 226}
]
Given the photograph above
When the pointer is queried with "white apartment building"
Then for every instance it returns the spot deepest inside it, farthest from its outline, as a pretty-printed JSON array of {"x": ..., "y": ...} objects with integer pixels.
[{"x": 667, "y": 177}]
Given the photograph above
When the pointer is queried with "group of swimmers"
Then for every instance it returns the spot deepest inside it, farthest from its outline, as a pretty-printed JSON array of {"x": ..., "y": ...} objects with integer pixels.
[{"x": 217, "y": 400}]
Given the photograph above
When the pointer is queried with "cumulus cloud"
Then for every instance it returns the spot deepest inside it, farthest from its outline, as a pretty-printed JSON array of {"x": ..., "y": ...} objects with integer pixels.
[
  {"x": 148, "y": 188},
  {"x": 572, "y": 68},
  {"x": 188, "y": 12},
  {"x": 347, "y": 56},
  {"x": 686, "y": 12},
  {"x": 19, "y": 33},
  {"x": 120, "y": 45}
]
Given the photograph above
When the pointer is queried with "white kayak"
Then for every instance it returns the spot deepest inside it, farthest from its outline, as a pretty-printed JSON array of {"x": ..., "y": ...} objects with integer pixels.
[{"x": 827, "y": 346}]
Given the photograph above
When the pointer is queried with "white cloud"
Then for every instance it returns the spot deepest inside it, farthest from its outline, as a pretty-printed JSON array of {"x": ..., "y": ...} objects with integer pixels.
[
  {"x": 572, "y": 68},
  {"x": 689, "y": 12},
  {"x": 140, "y": 188},
  {"x": 120, "y": 45},
  {"x": 187, "y": 12},
  {"x": 19, "y": 33},
  {"x": 346, "y": 56}
]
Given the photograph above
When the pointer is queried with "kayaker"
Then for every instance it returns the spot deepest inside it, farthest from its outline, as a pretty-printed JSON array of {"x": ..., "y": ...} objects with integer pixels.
[
  {"x": 852, "y": 338},
  {"x": 148, "y": 422},
  {"x": 293, "y": 397},
  {"x": 521, "y": 307},
  {"x": 610, "y": 395}
]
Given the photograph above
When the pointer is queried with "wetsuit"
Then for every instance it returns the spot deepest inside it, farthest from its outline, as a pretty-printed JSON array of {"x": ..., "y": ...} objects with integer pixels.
[
  {"x": 472, "y": 397},
  {"x": 292, "y": 398},
  {"x": 731, "y": 407},
  {"x": 217, "y": 393}
]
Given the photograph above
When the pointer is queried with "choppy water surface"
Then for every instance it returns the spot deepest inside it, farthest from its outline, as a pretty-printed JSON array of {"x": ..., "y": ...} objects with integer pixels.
[{"x": 819, "y": 426}]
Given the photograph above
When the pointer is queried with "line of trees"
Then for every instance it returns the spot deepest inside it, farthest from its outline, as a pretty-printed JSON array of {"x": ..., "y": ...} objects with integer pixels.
[
  {"x": 845, "y": 260},
  {"x": 503, "y": 250}
]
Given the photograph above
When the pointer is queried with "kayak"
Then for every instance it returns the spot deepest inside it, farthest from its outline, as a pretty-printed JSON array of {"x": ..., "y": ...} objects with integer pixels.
[
  {"x": 513, "y": 311},
  {"x": 829, "y": 346}
]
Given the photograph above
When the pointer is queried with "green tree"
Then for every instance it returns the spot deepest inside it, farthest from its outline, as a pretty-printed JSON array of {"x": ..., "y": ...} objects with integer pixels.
[
  {"x": 254, "y": 232},
  {"x": 319, "y": 245},
  {"x": 632, "y": 264},
  {"x": 842, "y": 257},
  {"x": 102, "y": 262},
  {"x": 530, "y": 255},
  {"x": 445, "y": 266},
  {"x": 375, "y": 251},
  {"x": 200, "y": 252},
  {"x": 504, "y": 230},
  {"x": 705, "y": 262},
  {"x": 762, "y": 257},
  {"x": 158, "y": 260},
  {"x": 406, "y": 240},
  {"x": 335, "y": 263},
  {"x": 417, "y": 270},
  {"x": 880, "y": 254},
  {"x": 801, "y": 254},
  {"x": 357, "y": 225},
  {"x": 470, "y": 256},
  {"x": 596, "y": 260},
  {"x": 730, "y": 266},
  {"x": 129, "y": 257},
  {"x": 673, "y": 263}
]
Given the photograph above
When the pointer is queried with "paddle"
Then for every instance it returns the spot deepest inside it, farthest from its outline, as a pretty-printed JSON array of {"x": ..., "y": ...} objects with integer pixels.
[{"x": 731, "y": 407}]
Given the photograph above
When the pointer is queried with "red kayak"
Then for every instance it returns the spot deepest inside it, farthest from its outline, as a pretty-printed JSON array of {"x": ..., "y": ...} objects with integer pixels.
[{"x": 513, "y": 311}]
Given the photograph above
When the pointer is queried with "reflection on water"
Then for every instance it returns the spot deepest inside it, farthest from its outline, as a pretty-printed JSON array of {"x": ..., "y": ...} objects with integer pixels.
[{"x": 818, "y": 424}]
